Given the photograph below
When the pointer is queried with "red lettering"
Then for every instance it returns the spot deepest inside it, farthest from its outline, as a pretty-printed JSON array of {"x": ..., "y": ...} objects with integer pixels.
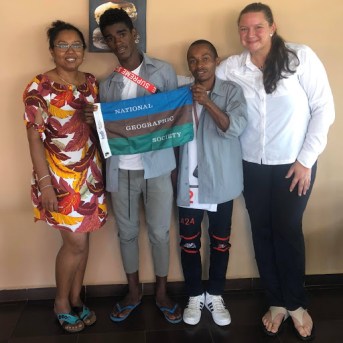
[
  {"x": 187, "y": 221},
  {"x": 191, "y": 195}
]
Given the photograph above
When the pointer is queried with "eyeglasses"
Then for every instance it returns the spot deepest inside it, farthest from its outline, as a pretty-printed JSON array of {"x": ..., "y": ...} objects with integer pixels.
[{"x": 66, "y": 47}]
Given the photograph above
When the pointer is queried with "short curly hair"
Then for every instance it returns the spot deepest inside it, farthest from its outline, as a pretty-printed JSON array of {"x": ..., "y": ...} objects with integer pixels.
[{"x": 114, "y": 16}]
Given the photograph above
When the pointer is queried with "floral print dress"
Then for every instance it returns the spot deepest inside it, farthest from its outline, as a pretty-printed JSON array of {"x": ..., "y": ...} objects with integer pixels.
[{"x": 55, "y": 111}]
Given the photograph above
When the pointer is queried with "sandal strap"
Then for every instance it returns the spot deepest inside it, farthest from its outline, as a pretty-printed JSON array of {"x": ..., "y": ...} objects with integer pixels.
[
  {"x": 275, "y": 310},
  {"x": 170, "y": 310},
  {"x": 82, "y": 311},
  {"x": 68, "y": 318},
  {"x": 298, "y": 314}
]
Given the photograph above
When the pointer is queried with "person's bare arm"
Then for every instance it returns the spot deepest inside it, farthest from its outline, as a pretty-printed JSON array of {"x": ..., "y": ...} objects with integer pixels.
[{"x": 37, "y": 151}]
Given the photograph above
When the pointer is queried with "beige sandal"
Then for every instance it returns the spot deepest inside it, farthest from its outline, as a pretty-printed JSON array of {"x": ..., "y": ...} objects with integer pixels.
[
  {"x": 86, "y": 315},
  {"x": 274, "y": 312},
  {"x": 298, "y": 322}
]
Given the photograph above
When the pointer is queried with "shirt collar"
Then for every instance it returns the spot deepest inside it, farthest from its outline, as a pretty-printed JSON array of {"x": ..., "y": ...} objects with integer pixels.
[
  {"x": 246, "y": 61},
  {"x": 217, "y": 89},
  {"x": 116, "y": 77}
]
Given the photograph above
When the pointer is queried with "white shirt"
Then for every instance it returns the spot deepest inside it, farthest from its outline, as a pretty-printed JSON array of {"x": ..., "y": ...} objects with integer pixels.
[
  {"x": 193, "y": 167},
  {"x": 290, "y": 124},
  {"x": 133, "y": 161}
]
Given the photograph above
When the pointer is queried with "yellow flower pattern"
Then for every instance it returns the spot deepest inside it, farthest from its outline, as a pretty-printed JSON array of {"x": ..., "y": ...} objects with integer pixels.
[{"x": 55, "y": 111}]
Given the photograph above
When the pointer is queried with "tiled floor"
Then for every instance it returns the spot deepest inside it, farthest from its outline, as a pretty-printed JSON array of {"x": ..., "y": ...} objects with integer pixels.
[{"x": 34, "y": 322}]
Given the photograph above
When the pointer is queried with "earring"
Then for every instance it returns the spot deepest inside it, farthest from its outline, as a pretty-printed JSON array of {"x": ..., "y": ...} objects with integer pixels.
[
  {"x": 137, "y": 39},
  {"x": 271, "y": 34}
]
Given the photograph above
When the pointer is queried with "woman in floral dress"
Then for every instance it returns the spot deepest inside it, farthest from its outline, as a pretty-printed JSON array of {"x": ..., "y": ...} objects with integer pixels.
[{"x": 67, "y": 184}]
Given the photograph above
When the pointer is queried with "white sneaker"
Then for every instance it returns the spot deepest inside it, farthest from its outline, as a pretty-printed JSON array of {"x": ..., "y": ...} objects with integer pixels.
[
  {"x": 220, "y": 314},
  {"x": 192, "y": 312}
]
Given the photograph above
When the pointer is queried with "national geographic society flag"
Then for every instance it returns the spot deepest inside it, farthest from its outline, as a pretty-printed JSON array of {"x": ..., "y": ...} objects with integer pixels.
[{"x": 147, "y": 123}]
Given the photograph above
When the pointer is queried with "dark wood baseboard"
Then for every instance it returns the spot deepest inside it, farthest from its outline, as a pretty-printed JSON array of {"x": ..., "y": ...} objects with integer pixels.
[{"x": 175, "y": 288}]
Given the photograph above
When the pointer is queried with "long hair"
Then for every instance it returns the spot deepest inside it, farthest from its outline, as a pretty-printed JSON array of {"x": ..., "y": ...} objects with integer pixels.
[{"x": 278, "y": 61}]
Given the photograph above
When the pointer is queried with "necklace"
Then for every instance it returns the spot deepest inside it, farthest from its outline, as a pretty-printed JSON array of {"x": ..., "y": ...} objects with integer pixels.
[
  {"x": 259, "y": 63},
  {"x": 61, "y": 78}
]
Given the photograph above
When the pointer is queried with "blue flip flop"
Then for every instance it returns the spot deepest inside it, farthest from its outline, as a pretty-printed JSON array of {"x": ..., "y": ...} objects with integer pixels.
[
  {"x": 168, "y": 310},
  {"x": 85, "y": 314},
  {"x": 120, "y": 310},
  {"x": 70, "y": 320}
]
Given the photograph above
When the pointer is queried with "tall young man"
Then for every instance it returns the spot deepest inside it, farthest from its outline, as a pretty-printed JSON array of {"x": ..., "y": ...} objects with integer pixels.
[{"x": 129, "y": 177}]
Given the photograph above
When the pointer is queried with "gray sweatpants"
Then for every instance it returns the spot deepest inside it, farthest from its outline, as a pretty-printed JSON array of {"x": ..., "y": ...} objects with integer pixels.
[{"x": 157, "y": 198}]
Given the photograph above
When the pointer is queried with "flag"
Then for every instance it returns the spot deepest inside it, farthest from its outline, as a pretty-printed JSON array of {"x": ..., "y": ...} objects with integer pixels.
[{"x": 153, "y": 122}]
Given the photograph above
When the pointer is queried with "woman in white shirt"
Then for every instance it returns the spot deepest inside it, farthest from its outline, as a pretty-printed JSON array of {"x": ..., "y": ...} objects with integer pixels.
[{"x": 290, "y": 110}]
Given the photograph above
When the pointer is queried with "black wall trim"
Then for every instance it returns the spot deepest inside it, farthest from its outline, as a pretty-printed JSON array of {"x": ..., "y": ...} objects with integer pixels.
[{"x": 175, "y": 288}]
